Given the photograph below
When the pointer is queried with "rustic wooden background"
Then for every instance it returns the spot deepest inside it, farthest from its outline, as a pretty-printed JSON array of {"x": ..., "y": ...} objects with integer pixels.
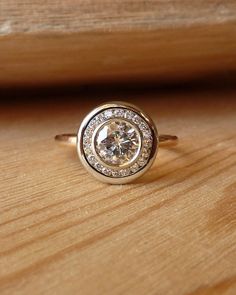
[
  {"x": 173, "y": 231},
  {"x": 51, "y": 42}
]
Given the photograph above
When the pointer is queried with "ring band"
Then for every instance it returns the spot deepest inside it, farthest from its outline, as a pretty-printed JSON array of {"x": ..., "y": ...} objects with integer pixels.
[
  {"x": 117, "y": 142},
  {"x": 70, "y": 139}
]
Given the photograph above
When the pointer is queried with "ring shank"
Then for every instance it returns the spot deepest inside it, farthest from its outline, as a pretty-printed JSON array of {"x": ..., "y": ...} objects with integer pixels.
[
  {"x": 67, "y": 139},
  {"x": 168, "y": 139},
  {"x": 71, "y": 139}
]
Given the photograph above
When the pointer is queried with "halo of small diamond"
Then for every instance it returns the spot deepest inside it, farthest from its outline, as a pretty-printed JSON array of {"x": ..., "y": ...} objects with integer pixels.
[{"x": 132, "y": 118}]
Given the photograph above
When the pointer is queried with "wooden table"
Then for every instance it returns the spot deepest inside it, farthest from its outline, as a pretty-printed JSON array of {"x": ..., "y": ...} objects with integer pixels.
[
  {"x": 83, "y": 41},
  {"x": 170, "y": 232}
]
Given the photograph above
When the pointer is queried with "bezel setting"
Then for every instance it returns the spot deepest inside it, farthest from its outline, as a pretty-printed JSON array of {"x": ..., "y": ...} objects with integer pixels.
[{"x": 129, "y": 115}]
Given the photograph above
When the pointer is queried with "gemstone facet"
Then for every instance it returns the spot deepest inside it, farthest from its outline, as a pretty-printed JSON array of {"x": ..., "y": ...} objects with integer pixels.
[{"x": 117, "y": 142}]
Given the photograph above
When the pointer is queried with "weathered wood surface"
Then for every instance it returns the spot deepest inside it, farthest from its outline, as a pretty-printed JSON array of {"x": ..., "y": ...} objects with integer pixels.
[
  {"x": 85, "y": 15},
  {"x": 171, "y": 232},
  {"x": 83, "y": 41}
]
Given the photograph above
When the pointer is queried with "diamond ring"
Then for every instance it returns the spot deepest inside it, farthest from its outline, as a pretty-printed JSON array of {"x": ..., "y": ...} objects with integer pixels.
[{"x": 116, "y": 142}]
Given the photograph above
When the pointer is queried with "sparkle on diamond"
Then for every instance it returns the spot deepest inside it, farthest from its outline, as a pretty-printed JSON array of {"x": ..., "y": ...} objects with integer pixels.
[{"x": 117, "y": 142}]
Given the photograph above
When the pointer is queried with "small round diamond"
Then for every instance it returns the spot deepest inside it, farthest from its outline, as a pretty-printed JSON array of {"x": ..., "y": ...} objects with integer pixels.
[
  {"x": 134, "y": 168},
  {"x": 91, "y": 159},
  {"x": 124, "y": 172},
  {"x": 119, "y": 113},
  {"x": 87, "y": 149},
  {"x": 108, "y": 114},
  {"x": 129, "y": 115},
  {"x": 98, "y": 166},
  {"x": 115, "y": 173},
  {"x": 137, "y": 120},
  {"x": 106, "y": 171}
]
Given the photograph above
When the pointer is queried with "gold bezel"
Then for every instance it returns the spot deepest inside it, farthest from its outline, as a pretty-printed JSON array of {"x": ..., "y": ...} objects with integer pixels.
[{"x": 93, "y": 171}]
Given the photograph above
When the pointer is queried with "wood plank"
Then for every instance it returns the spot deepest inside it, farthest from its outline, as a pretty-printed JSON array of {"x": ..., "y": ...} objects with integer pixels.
[
  {"x": 170, "y": 232},
  {"x": 110, "y": 15},
  {"x": 99, "y": 40}
]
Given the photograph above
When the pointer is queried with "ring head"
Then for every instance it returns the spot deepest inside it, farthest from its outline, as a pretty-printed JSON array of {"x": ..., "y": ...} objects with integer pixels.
[{"x": 117, "y": 142}]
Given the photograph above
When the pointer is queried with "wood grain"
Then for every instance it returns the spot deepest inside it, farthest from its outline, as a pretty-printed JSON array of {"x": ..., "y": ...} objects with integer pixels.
[
  {"x": 84, "y": 41},
  {"x": 170, "y": 232},
  {"x": 96, "y": 15}
]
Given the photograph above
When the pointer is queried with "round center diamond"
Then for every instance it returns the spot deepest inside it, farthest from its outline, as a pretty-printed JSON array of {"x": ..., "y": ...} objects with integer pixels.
[{"x": 117, "y": 142}]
